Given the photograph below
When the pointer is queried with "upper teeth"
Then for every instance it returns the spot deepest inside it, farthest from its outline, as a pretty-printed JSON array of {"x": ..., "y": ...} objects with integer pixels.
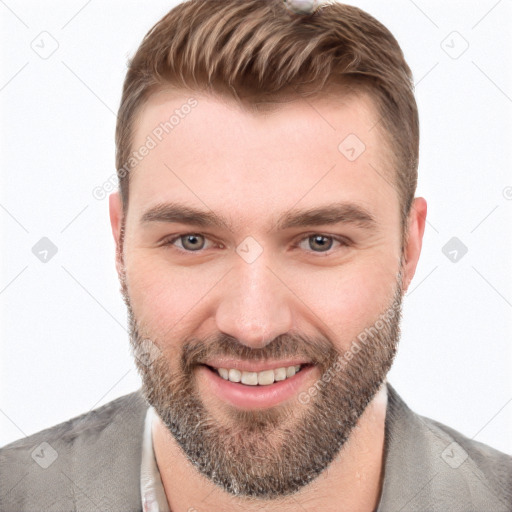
[{"x": 263, "y": 378}]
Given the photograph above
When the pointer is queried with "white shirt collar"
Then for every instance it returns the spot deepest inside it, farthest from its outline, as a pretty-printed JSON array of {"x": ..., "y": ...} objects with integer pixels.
[{"x": 151, "y": 487}]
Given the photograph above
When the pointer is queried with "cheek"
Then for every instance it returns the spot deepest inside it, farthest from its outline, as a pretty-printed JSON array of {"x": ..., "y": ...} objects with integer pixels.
[
  {"x": 348, "y": 299},
  {"x": 166, "y": 298},
  {"x": 173, "y": 301}
]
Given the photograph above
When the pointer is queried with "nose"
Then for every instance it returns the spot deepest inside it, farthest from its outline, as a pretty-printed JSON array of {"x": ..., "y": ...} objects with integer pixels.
[{"x": 255, "y": 305}]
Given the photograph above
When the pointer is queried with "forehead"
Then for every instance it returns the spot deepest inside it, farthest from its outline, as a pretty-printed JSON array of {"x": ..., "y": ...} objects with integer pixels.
[{"x": 209, "y": 152}]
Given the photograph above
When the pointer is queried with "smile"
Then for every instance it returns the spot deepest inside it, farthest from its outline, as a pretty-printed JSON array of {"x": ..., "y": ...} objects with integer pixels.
[
  {"x": 256, "y": 389},
  {"x": 263, "y": 378}
]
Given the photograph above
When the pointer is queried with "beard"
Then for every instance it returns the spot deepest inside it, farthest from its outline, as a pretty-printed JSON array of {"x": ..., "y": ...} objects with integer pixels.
[{"x": 274, "y": 452}]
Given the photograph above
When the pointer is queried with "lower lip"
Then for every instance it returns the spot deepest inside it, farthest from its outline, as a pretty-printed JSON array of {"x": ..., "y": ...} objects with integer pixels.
[{"x": 255, "y": 397}]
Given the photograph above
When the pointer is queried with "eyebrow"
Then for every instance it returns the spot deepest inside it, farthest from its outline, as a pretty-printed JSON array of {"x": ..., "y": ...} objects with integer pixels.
[{"x": 330, "y": 214}]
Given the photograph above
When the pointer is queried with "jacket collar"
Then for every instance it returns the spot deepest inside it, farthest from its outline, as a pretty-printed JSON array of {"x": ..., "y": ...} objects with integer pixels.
[{"x": 427, "y": 466}]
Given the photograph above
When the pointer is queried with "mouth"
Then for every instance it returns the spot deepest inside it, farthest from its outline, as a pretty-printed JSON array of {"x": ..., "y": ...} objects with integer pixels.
[
  {"x": 265, "y": 377},
  {"x": 262, "y": 389}
]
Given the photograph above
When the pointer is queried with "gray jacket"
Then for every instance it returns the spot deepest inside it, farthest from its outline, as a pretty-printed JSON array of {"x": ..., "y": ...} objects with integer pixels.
[{"x": 92, "y": 463}]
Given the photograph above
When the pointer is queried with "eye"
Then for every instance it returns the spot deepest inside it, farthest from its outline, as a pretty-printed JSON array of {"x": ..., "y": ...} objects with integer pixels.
[
  {"x": 190, "y": 242},
  {"x": 322, "y": 242},
  {"x": 319, "y": 243}
]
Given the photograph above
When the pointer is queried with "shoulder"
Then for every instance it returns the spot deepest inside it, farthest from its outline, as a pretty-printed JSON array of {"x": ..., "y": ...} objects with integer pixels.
[
  {"x": 430, "y": 466},
  {"x": 77, "y": 461},
  {"x": 492, "y": 466}
]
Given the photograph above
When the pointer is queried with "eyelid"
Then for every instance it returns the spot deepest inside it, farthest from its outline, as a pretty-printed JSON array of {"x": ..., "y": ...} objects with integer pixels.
[
  {"x": 343, "y": 241},
  {"x": 169, "y": 241}
]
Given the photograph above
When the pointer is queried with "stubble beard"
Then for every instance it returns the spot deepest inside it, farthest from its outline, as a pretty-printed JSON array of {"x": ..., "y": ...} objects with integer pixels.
[{"x": 267, "y": 453}]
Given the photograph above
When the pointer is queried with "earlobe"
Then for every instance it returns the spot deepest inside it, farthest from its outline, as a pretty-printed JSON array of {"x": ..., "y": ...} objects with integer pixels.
[{"x": 416, "y": 229}]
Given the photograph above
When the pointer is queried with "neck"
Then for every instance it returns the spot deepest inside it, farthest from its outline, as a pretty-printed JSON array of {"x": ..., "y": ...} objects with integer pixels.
[{"x": 353, "y": 481}]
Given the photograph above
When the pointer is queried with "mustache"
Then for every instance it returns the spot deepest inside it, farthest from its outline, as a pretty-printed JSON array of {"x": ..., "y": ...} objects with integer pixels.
[{"x": 197, "y": 351}]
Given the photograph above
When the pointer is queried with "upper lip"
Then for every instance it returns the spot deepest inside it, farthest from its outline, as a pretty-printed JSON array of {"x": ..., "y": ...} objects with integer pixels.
[{"x": 253, "y": 366}]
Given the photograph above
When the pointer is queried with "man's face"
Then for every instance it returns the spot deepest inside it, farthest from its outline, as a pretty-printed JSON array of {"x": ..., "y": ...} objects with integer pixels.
[{"x": 258, "y": 288}]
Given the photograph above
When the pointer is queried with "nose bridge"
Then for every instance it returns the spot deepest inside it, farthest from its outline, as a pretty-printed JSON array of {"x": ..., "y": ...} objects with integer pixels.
[{"x": 254, "y": 307}]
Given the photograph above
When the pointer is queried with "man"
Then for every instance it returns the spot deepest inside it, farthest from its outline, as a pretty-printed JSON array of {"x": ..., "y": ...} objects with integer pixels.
[{"x": 266, "y": 231}]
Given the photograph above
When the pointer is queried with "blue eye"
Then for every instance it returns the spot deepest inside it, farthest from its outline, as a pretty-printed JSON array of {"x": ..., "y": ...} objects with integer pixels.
[
  {"x": 322, "y": 242},
  {"x": 190, "y": 242},
  {"x": 317, "y": 242}
]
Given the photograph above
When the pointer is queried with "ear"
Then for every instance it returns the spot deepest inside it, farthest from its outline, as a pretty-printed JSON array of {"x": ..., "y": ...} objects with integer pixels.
[
  {"x": 116, "y": 222},
  {"x": 412, "y": 248}
]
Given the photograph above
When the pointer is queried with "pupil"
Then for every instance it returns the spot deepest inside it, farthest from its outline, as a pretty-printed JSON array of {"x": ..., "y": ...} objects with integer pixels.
[
  {"x": 193, "y": 241},
  {"x": 321, "y": 241}
]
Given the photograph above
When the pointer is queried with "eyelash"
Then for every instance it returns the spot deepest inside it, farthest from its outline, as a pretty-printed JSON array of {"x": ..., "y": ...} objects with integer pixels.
[{"x": 341, "y": 240}]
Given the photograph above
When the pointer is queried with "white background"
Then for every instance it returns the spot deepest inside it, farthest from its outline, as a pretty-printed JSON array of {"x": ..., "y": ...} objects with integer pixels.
[{"x": 64, "y": 346}]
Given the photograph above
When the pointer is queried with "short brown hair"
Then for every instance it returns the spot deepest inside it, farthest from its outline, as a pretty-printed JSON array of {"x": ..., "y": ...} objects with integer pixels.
[{"x": 257, "y": 50}]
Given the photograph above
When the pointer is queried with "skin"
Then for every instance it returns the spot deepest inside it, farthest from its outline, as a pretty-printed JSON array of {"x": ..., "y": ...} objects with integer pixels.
[{"x": 250, "y": 169}]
